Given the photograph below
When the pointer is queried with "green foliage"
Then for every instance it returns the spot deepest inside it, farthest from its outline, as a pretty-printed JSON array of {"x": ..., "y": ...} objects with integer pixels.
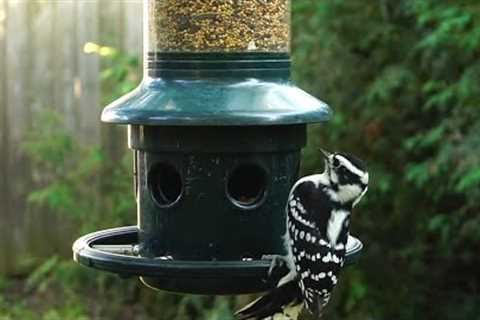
[
  {"x": 39, "y": 276},
  {"x": 64, "y": 167},
  {"x": 402, "y": 77},
  {"x": 120, "y": 73}
]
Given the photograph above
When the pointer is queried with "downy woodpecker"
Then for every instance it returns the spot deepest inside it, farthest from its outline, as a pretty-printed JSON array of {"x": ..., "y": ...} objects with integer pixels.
[{"x": 318, "y": 218}]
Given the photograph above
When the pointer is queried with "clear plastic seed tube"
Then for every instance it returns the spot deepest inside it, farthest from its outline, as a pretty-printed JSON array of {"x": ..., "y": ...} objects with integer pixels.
[{"x": 217, "y": 26}]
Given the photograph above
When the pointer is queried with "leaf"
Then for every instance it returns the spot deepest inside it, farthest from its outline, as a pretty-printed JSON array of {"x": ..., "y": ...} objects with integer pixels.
[
  {"x": 432, "y": 137},
  {"x": 392, "y": 78},
  {"x": 442, "y": 99},
  {"x": 470, "y": 179},
  {"x": 42, "y": 272},
  {"x": 437, "y": 222},
  {"x": 418, "y": 174}
]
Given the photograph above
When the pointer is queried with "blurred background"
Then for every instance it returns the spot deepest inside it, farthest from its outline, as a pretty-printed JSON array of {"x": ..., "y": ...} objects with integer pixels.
[{"x": 403, "y": 77}]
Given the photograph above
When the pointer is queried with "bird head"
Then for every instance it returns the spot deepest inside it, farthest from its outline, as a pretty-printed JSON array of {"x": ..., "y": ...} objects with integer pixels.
[{"x": 348, "y": 176}]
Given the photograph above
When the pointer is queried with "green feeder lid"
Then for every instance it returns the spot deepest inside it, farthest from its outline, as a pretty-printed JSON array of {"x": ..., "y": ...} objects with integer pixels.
[{"x": 216, "y": 102}]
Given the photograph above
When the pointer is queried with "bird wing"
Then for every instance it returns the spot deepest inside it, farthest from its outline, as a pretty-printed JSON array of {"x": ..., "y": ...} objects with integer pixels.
[
  {"x": 317, "y": 262},
  {"x": 312, "y": 203}
]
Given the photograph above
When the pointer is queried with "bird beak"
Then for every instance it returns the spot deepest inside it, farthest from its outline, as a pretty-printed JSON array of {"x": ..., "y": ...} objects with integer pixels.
[{"x": 325, "y": 153}]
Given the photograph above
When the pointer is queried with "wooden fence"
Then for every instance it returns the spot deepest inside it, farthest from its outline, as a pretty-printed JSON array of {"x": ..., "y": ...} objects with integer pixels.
[{"x": 42, "y": 65}]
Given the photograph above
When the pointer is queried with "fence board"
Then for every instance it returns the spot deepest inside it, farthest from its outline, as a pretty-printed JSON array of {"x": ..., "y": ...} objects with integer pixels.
[
  {"x": 42, "y": 65},
  {"x": 35, "y": 228},
  {"x": 87, "y": 91},
  {"x": 5, "y": 237},
  {"x": 133, "y": 14},
  {"x": 18, "y": 109}
]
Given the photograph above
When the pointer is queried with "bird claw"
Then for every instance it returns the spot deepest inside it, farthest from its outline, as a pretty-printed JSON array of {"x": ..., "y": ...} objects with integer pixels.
[{"x": 277, "y": 262}]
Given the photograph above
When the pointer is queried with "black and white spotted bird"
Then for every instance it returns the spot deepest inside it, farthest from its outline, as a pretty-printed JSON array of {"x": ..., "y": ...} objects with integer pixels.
[{"x": 318, "y": 218}]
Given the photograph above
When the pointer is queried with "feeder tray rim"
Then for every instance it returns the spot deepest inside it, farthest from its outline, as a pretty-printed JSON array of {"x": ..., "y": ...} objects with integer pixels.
[{"x": 86, "y": 254}]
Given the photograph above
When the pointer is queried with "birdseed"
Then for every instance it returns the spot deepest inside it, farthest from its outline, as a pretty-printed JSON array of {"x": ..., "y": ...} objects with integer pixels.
[{"x": 219, "y": 25}]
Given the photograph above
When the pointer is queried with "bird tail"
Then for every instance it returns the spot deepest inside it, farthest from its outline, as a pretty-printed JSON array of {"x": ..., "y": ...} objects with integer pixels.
[{"x": 282, "y": 303}]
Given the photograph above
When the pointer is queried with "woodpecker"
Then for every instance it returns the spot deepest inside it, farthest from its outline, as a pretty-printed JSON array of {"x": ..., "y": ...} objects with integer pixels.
[{"x": 317, "y": 221}]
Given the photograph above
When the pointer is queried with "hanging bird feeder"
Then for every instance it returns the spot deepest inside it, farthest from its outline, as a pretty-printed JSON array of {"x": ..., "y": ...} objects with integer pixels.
[{"x": 216, "y": 128}]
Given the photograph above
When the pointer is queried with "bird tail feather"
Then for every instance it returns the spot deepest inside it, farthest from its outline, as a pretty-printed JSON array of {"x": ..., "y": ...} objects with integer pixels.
[{"x": 273, "y": 305}]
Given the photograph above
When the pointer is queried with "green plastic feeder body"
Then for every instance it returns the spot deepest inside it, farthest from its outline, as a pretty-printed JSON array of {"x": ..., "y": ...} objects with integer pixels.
[
  {"x": 216, "y": 128},
  {"x": 217, "y": 141}
]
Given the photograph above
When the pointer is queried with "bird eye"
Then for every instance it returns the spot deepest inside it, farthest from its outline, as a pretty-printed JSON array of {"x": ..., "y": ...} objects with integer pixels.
[{"x": 336, "y": 163}]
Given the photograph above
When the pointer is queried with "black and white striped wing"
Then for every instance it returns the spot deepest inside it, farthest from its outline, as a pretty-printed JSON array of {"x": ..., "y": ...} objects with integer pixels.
[{"x": 316, "y": 261}]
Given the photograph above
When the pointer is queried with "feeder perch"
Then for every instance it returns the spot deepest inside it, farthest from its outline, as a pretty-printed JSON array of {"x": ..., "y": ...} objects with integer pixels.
[{"x": 216, "y": 128}]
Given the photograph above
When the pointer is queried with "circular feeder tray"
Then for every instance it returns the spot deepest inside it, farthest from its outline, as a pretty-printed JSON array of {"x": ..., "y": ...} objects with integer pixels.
[{"x": 113, "y": 250}]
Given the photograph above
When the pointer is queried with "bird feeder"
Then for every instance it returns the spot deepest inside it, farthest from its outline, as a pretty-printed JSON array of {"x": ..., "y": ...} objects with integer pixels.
[{"x": 216, "y": 128}]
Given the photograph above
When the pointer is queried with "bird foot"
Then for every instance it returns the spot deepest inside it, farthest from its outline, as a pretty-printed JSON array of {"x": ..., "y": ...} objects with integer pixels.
[{"x": 278, "y": 261}]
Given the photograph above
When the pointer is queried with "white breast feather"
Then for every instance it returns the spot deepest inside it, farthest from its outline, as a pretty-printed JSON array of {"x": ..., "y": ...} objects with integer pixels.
[{"x": 335, "y": 224}]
